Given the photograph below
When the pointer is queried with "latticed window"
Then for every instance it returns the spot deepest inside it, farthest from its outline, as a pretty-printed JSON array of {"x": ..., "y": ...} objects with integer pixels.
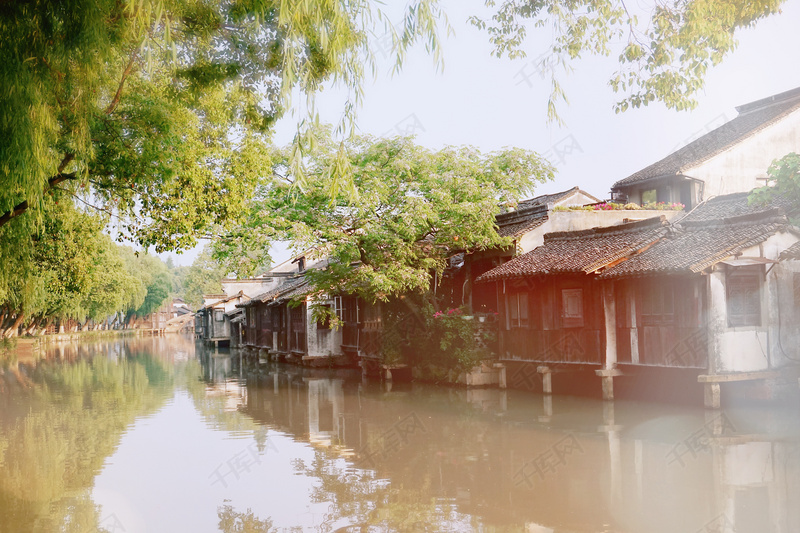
[
  {"x": 743, "y": 293},
  {"x": 658, "y": 302},
  {"x": 297, "y": 315},
  {"x": 572, "y": 308}
]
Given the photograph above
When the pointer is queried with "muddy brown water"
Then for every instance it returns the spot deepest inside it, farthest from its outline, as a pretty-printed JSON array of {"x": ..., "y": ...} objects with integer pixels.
[{"x": 157, "y": 434}]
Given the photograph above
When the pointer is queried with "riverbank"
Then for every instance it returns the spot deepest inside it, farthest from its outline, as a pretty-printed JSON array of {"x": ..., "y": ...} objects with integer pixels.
[{"x": 29, "y": 348}]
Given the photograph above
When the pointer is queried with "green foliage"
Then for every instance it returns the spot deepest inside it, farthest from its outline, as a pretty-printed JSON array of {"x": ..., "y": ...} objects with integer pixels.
[
  {"x": 783, "y": 184},
  {"x": 55, "y": 437},
  {"x": 451, "y": 339},
  {"x": 664, "y": 55},
  {"x": 64, "y": 267},
  {"x": 411, "y": 210},
  {"x": 203, "y": 277},
  {"x": 153, "y": 276},
  {"x": 160, "y": 111}
]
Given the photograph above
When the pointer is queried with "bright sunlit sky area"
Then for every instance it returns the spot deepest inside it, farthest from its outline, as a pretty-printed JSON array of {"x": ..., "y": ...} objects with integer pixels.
[{"x": 490, "y": 103}]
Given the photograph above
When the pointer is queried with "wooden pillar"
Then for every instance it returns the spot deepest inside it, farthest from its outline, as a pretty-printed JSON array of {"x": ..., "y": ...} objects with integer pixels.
[
  {"x": 610, "y": 319},
  {"x": 609, "y": 370},
  {"x": 634, "y": 327}
]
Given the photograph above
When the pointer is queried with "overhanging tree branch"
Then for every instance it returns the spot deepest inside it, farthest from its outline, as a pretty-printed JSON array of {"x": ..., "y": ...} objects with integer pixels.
[{"x": 52, "y": 182}]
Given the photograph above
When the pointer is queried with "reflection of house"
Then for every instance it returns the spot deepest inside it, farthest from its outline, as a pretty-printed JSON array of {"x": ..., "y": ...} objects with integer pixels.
[
  {"x": 703, "y": 293},
  {"x": 731, "y": 158}
]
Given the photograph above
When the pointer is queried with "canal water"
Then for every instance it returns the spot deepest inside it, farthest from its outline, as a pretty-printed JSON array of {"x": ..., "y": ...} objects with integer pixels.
[{"x": 157, "y": 435}]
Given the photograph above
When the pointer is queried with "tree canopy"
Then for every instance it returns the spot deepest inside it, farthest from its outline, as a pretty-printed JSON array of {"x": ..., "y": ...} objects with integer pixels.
[
  {"x": 160, "y": 111},
  {"x": 664, "y": 50},
  {"x": 783, "y": 185},
  {"x": 412, "y": 210}
]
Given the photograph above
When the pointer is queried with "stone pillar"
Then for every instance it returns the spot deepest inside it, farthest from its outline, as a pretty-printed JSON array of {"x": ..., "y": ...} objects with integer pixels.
[
  {"x": 501, "y": 375},
  {"x": 711, "y": 395},
  {"x": 547, "y": 379},
  {"x": 607, "y": 376}
]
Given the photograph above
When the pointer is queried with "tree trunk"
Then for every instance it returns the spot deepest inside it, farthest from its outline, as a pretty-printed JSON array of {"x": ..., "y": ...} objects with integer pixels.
[
  {"x": 12, "y": 331},
  {"x": 31, "y": 328}
]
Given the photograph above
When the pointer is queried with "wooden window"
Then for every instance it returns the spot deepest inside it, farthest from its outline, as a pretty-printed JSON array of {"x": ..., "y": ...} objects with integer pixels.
[
  {"x": 743, "y": 296},
  {"x": 572, "y": 308},
  {"x": 219, "y": 315},
  {"x": 346, "y": 308},
  {"x": 518, "y": 310},
  {"x": 657, "y": 302},
  {"x": 297, "y": 315}
]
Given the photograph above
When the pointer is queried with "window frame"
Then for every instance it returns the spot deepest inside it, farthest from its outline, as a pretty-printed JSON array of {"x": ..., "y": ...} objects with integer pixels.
[
  {"x": 569, "y": 294},
  {"x": 519, "y": 302},
  {"x": 738, "y": 281}
]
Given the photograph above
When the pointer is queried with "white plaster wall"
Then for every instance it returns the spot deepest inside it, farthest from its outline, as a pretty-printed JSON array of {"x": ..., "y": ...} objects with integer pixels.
[
  {"x": 744, "y": 350},
  {"x": 580, "y": 220},
  {"x": 717, "y": 319},
  {"x": 775, "y": 342},
  {"x": 321, "y": 342},
  {"x": 737, "y": 169}
]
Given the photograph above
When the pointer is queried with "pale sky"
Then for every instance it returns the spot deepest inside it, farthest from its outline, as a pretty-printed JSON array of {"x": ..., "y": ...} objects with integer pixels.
[{"x": 492, "y": 103}]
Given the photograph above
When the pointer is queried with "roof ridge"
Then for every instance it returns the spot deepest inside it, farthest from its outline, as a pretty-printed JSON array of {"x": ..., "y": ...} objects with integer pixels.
[
  {"x": 746, "y": 124},
  {"x": 627, "y": 227},
  {"x": 773, "y": 215},
  {"x": 525, "y": 211},
  {"x": 779, "y": 98}
]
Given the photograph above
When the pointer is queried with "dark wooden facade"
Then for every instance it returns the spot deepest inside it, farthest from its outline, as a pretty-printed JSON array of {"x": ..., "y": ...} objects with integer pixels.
[
  {"x": 661, "y": 321},
  {"x": 362, "y": 325},
  {"x": 277, "y": 327},
  {"x": 553, "y": 319}
]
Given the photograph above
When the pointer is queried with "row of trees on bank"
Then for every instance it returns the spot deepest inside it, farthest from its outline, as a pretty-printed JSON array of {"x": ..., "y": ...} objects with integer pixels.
[{"x": 65, "y": 267}]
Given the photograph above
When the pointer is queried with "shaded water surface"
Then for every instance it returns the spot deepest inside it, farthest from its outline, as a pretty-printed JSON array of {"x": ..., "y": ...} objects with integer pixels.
[{"x": 153, "y": 435}]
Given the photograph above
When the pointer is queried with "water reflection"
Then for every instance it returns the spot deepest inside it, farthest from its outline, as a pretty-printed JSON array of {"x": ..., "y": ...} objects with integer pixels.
[
  {"x": 60, "y": 418},
  {"x": 508, "y": 460},
  {"x": 149, "y": 435}
]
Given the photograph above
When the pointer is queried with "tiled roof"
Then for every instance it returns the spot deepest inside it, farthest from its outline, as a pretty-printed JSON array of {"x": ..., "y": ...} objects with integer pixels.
[
  {"x": 225, "y": 300},
  {"x": 546, "y": 199},
  {"x": 530, "y": 213},
  {"x": 792, "y": 252},
  {"x": 581, "y": 251},
  {"x": 278, "y": 293},
  {"x": 693, "y": 246},
  {"x": 752, "y": 118},
  {"x": 730, "y": 205},
  {"x": 519, "y": 222}
]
